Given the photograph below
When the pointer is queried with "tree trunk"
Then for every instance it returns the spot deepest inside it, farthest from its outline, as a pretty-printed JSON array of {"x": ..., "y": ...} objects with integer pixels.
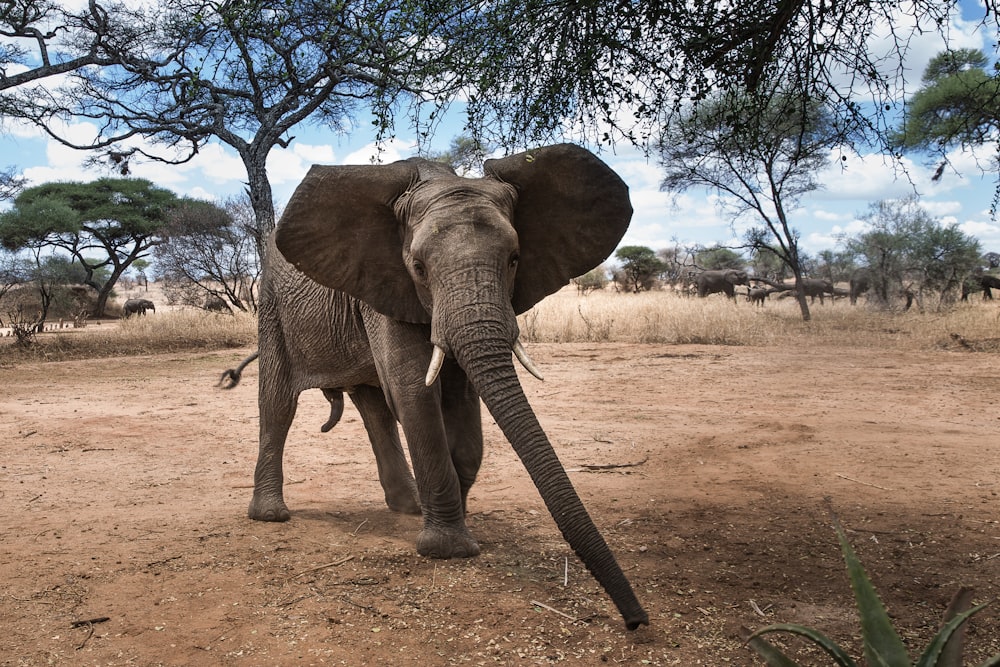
[{"x": 261, "y": 198}]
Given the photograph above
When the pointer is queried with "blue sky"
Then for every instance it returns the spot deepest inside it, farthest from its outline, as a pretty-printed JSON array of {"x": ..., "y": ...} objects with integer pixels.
[{"x": 962, "y": 196}]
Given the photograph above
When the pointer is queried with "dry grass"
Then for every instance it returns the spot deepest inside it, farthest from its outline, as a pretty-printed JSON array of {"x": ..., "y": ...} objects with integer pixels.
[
  {"x": 652, "y": 317},
  {"x": 663, "y": 317},
  {"x": 173, "y": 331}
]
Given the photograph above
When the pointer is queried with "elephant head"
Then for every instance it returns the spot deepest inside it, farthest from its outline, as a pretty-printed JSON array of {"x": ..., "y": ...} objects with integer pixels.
[{"x": 419, "y": 244}]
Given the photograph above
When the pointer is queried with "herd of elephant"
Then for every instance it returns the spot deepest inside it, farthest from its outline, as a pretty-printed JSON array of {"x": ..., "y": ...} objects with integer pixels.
[{"x": 725, "y": 281}]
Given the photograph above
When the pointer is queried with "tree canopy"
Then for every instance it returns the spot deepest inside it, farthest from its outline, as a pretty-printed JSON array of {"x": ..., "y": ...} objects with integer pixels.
[
  {"x": 639, "y": 267},
  {"x": 910, "y": 254},
  {"x": 181, "y": 73},
  {"x": 958, "y": 103},
  {"x": 104, "y": 225}
]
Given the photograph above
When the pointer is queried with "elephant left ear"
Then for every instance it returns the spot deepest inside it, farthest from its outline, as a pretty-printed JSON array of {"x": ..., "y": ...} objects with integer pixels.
[{"x": 572, "y": 210}]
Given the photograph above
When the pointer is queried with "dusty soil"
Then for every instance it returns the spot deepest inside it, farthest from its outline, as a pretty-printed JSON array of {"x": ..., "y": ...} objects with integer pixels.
[{"x": 125, "y": 482}]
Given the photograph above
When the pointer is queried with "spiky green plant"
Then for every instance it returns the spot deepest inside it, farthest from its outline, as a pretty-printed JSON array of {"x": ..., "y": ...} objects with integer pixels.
[{"x": 882, "y": 645}]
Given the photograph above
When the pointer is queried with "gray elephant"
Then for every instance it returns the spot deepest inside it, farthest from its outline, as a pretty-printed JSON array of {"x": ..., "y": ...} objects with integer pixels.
[
  {"x": 757, "y": 295},
  {"x": 859, "y": 284},
  {"x": 137, "y": 307},
  {"x": 400, "y": 284},
  {"x": 721, "y": 280},
  {"x": 818, "y": 287},
  {"x": 216, "y": 304},
  {"x": 985, "y": 282}
]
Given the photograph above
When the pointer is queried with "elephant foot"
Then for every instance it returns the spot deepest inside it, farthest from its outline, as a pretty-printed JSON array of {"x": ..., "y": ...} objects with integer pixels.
[
  {"x": 262, "y": 509},
  {"x": 403, "y": 503},
  {"x": 443, "y": 543}
]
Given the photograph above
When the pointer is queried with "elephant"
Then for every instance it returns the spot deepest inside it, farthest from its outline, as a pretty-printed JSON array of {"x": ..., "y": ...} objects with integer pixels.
[
  {"x": 400, "y": 284},
  {"x": 216, "y": 304},
  {"x": 756, "y": 295},
  {"x": 137, "y": 307},
  {"x": 722, "y": 280},
  {"x": 817, "y": 287},
  {"x": 859, "y": 284},
  {"x": 984, "y": 282}
]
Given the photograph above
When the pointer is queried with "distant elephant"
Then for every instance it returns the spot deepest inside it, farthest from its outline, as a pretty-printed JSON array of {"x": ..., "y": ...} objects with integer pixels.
[
  {"x": 984, "y": 282},
  {"x": 400, "y": 284},
  {"x": 817, "y": 287},
  {"x": 859, "y": 284},
  {"x": 722, "y": 280},
  {"x": 756, "y": 295},
  {"x": 216, "y": 304},
  {"x": 137, "y": 307}
]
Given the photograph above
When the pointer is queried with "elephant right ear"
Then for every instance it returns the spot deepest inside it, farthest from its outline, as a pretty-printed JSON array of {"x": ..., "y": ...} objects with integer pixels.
[{"x": 339, "y": 228}]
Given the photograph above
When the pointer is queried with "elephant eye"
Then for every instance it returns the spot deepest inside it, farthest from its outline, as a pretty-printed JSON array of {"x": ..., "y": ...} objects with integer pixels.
[
  {"x": 514, "y": 258},
  {"x": 418, "y": 268}
]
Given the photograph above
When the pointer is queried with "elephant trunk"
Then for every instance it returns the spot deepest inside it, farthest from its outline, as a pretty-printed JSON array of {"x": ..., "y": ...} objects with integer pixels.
[{"x": 489, "y": 366}]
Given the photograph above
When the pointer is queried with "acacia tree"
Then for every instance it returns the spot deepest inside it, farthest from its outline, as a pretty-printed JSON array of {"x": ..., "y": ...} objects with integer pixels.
[
  {"x": 187, "y": 72},
  {"x": 762, "y": 155},
  {"x": 43, "y": 40},
  {"x": 909, "y": 253},
  {"x": 118, "y": 219},
  {"x": 625, "y": 69},
  {"x": 958, "y": 104},
  {"x": 640, "y": 267}
]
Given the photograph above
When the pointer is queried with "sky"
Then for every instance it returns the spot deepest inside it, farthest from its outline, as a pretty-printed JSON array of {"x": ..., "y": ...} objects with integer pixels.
[{"x": 962, "y": 196}]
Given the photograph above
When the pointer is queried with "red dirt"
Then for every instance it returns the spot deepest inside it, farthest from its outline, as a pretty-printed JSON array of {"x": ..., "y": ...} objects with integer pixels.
[{"x": 125, "y": 483}]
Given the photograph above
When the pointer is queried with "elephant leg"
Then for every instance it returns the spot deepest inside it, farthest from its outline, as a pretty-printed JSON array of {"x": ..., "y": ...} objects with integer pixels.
[
  {"x": 402, "y": 355},
  {"x": 393, "y": 471},
  {"x": 277, "y": 405},
  {"x": 463, "y": 423}
]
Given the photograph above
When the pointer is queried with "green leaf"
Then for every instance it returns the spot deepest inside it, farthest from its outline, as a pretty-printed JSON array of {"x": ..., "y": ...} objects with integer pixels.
[
  {"x": 932, "y": 653},
  {"x": 772, "y": 654},
  {"x": 818, "y": 638},
  {"x": 883, "y": 647}
]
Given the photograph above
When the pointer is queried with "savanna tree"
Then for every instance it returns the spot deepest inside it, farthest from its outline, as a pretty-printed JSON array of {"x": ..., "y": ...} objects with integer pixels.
[
  {"x": 104, "y": 225},
  {"x": 909, "y": 254},
  {"x": 958, "y": 104},
  {"x": 640, "y": 267},
  {"x": 210, "y": 254},
  {"x": 184, "y": 73},
  {"x": 761, "y": 154}
]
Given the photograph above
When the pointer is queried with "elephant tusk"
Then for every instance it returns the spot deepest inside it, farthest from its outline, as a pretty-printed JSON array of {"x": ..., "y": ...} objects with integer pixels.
[
  {"x": 522, "y": 356},
  {"x": 437, "y": 360}
]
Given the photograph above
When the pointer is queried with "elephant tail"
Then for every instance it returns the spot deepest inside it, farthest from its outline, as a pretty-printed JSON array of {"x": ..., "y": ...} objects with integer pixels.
[{"x": 232, "y": 376}]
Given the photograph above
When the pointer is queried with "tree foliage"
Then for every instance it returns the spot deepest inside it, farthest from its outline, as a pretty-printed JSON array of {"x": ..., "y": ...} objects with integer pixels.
[
  {"x": 104, "y": 225},
  {"x": 465, "y": 155},
  {"x": 619, "y": 70},
  {"x": 719, "y": 257},
  {"x": 911, "y": 255},
  {"x": 183, "y": 73},
  {"x": 640, "y": 267},
  {"x": 958, "y": 103}
]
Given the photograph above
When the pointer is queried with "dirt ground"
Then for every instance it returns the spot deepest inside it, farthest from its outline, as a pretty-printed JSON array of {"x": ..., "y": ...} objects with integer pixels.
[{"x": 125, "y": 484}]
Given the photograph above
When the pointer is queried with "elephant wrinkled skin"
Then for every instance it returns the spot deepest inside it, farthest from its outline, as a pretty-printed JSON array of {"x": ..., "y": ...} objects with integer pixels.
[{"x": 387, "y": 271}]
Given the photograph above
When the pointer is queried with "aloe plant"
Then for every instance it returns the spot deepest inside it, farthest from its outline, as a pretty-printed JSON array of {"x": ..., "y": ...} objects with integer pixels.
[{"x": 882, "y": 645}]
